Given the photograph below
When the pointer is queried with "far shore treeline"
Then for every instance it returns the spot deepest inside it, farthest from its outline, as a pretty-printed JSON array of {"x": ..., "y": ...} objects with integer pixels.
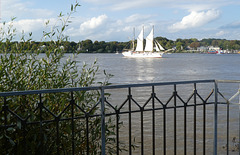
[{"x": 88, "y": 46}]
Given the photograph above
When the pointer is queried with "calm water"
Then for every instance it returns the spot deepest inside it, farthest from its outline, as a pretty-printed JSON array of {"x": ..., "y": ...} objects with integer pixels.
[{"x": 172, "y": 67}]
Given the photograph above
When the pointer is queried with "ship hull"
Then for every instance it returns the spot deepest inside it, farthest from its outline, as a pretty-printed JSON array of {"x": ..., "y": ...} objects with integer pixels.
[{"x": 143, "y": 54}]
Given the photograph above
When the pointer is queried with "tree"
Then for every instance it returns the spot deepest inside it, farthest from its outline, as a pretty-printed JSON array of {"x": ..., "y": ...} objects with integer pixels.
[
  {"x": 179, "y": 45},
  {"x": 21, "y": 70},
  {"x": 87, "y": 46},
  {"x": 195, "y": 45},
  {"x": 215, "y": 43},
  {"x": 169, "y": 45}
]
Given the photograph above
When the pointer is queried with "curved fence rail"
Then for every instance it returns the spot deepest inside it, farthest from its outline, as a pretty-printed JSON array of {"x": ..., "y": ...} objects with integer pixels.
[{"x": 186, "y": 117}]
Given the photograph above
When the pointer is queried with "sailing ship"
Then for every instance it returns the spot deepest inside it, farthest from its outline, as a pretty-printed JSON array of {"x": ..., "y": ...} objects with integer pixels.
[{"x": 152, "y": 48}]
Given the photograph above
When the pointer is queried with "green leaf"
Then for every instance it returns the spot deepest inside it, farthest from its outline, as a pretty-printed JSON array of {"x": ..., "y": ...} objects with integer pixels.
[
  {"x": 19, "y": 124},
  {"x": 63, "y": 28}
]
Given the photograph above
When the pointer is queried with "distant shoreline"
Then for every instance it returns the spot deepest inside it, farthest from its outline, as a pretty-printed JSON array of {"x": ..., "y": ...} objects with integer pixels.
[{"x": 88, "y": 46}]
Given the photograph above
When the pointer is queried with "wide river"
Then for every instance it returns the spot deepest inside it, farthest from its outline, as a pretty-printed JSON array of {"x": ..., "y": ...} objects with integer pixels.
[{"x": 172, "y": 67}]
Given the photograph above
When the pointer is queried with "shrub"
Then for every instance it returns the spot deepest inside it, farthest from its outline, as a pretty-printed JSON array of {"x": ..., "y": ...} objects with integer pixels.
[{"x": 39, "y": 124}]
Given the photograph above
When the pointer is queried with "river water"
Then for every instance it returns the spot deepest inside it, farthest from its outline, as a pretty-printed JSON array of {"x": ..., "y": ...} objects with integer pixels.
[{"x": 170, "y": 68}]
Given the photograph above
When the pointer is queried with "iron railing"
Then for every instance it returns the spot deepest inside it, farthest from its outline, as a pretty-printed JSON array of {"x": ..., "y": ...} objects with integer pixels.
[{"x": 186, "y": 117}]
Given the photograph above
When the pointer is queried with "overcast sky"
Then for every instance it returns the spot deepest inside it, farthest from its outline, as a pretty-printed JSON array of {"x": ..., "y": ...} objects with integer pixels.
[{"x": 114, "y": 20}]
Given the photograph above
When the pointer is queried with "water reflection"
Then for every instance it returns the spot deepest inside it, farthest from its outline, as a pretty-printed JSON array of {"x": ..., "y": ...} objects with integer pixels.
[
  {"x": 174, "y": 67},
  {"x": 145, "y": 70}
]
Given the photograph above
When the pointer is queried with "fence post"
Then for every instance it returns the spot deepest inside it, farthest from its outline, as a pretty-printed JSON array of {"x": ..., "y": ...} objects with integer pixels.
[
  {"x": 103, "y": 122},
  {"x": 215, "y": 118},
  {"x": 239, "y": 117}
]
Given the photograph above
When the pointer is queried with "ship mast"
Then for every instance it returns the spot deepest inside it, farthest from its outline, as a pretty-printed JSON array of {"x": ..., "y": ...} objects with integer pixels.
[
  {"x": 143, "y": 39},
  {"x": 133, "y": 41},
  {"x": 153, "y": 39}
]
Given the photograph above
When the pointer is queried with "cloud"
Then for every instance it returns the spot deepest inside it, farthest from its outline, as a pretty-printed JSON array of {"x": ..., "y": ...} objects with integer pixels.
[
  {"x": 34, "y": 26},
  {"x": 22, "y": 10},
  {"x": 234, "y": 25},
  {"x": 190, "y": 5},
  {"x": 123, "y": 5},
  {"x": 136, "y": 18},
  {"x": 29, "y": 25},
  {"x": 115, "y": 20},
  {"x": 93, "y": 23},
  {"x": 201, "y": 5},
  {"x": 221, "y": 33},
  {"x": 94, "y": 28},
  {"x": 195, "y": 19},
  {"x": 104, "y": 28}
]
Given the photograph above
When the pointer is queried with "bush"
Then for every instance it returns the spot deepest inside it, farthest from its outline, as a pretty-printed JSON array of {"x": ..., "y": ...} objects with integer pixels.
[{"x": 39, "y": 124}]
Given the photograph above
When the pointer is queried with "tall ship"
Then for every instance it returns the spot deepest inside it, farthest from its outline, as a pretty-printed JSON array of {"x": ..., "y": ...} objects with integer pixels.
[{"x": 152, "y": 48}]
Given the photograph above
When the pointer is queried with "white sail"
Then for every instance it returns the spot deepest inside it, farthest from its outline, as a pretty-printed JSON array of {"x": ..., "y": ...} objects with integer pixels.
[
  {"x": 159, "y": 47},
  {"x": 140, "y": 42},
  {"x": 149, "y": 42},
  {"x": 149, "y": 48}
]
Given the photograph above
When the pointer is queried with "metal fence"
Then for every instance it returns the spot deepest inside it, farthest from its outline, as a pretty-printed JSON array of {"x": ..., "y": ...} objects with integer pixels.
[{"x": 186, "y": 117}]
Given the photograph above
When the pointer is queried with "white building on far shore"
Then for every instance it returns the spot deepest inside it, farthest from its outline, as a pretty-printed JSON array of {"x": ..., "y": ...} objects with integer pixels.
[{"x": 212, "y": 48}]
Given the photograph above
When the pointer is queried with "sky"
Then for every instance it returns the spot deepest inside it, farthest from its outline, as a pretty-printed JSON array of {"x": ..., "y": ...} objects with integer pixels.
[{"x": 114, "y": 20}]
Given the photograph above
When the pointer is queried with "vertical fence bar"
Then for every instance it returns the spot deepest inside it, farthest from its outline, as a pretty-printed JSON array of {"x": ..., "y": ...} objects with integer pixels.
[
  {"x": 228, "y": 128},
  {"x": 117, "y": 130},
  {"x": 57, "y": 134},
  {"x": 215, "y": 119},
  {"x": 87, "y": 132},
  {"x": 175, "y": 119},
  {"x": 5, "y": 108},
  {"x": 164, "y": 130},
  {"x": 72, "y": 123},
  {"x": 24, "y": 136},
  {"x": 130, "y": 120},
  {"x": 142, "y": 138},
  {"x": 23, "y": 128},
  {"x": 5, "y": 111},
  {"x": 204, "y": 128},
  {"x": 153, "y": 120},
  {"x": 185, "y": 128},
  {"x": 239, "y": 119},
  {"x": 41, "y": 119},
  {"x": 103, "y": 138},
  {"x": 195, "y": 117}
]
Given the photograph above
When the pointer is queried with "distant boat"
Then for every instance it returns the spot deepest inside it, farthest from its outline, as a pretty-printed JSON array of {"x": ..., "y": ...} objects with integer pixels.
[
  {"x": 220, "y": 52},
  {"x": 152, "y": 49},
  {"x": 212, "y": 52},
  {"x": 215, "y": 52}
]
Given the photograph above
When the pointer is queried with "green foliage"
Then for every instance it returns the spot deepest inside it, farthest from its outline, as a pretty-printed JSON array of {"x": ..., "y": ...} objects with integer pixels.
[
  {"x": 42, "y": 121},
  {"x": 88, "y": 46}
]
